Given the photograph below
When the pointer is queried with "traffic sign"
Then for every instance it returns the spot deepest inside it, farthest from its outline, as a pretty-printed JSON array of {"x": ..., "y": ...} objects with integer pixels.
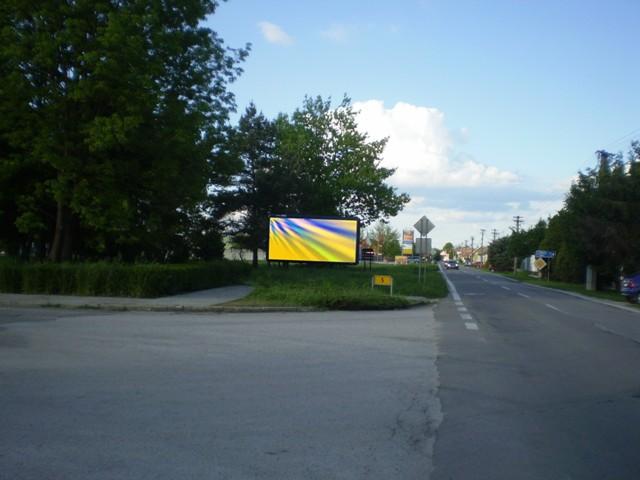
[
  {"x": 545, "y": 254},
  {"x": 424, "y": 225},
  {"x": 423, "y": 246},
  {"x": 539, "y": 263},
  {"x": 384, "y": 280}
]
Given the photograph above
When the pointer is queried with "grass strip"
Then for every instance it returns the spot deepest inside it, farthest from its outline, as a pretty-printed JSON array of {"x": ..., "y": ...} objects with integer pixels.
[
  {"x": 569, "y": 287},
  {"x": 341, "y": 287}
]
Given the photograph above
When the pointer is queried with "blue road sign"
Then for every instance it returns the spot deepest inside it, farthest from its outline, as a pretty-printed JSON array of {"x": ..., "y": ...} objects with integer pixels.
[{"x": 545, "y": 254}]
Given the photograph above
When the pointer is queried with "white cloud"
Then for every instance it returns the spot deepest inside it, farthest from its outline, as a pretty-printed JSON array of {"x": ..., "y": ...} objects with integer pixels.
[
  {"x": 336, "y": 33},
  {"x": 422, "y": 148},
  {"x": 274, "y": 34}
]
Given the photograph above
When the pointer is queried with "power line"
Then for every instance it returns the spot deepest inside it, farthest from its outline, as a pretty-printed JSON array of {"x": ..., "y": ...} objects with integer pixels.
[{"x": 621, "y": 138}]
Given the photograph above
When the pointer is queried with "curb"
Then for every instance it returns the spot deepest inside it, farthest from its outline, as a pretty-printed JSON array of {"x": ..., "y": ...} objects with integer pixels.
[{"x": 413, "y": 303}]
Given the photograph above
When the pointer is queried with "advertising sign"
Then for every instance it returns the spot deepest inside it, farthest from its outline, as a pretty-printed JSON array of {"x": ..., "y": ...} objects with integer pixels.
[
  {"x": 407, "y": 242},
  {"x": 307, "y": 239}
]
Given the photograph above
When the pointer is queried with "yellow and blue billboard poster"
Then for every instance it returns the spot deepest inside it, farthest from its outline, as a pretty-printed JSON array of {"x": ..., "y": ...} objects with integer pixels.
[{"x": 306, "y": 239}]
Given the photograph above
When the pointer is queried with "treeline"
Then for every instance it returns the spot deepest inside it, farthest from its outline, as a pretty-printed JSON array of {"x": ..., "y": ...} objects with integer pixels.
[
  {"x": 115, "y": 141},
  {"x": 599, "y": 225}
]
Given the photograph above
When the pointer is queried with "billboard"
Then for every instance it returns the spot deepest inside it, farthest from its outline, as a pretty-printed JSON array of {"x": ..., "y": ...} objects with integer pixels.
[{"x": 307, "y": 239}]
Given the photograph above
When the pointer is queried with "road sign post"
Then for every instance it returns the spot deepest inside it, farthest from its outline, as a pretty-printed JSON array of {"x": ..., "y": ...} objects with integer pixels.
[{"x": 423, "y": 245}]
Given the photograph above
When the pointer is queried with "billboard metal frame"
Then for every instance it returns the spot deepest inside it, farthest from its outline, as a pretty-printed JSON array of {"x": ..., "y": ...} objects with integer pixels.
[{"x": 317, "y": 262}]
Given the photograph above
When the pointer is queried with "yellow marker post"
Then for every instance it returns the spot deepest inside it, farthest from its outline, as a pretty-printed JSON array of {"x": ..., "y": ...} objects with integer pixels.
[{"x": 383, "y": 280}]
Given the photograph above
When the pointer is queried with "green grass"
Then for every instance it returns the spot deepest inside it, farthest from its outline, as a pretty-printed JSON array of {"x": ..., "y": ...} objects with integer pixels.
[
  {"x": 570, "y": 287},
  {"x": 340, "y": 287}
]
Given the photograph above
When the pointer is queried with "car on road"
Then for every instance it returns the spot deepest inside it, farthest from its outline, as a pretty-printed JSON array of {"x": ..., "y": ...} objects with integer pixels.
[
  {"x": 451, "y": 265},
  {"x": 630, "y": 287}
]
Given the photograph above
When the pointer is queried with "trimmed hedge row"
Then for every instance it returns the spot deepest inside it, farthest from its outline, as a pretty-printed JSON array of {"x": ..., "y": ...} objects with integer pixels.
[{"x": 117, "y": 279}]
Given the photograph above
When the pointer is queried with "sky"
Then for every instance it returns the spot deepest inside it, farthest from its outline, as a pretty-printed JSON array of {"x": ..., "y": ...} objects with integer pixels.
[{"x": 491, "y": 107}]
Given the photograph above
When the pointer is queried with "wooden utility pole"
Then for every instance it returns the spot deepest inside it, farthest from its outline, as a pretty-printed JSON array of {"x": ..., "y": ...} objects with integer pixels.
[{"x": 519, "y": 220}]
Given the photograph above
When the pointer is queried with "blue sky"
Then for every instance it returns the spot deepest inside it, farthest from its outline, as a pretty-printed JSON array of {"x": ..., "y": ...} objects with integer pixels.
[{"x": 491, "y": 107}]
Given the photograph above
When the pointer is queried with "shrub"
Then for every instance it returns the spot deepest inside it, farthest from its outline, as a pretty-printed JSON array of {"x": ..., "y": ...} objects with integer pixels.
[{"x": 116, "y": 279}]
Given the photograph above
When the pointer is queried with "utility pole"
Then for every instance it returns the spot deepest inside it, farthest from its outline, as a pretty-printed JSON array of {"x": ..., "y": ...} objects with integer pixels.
[
  {"x": 494, "y": 232},
  {"x": 471, "y": 250},
  {"x": 519, "y": 220},
  {"x": 482, "y": 230}
]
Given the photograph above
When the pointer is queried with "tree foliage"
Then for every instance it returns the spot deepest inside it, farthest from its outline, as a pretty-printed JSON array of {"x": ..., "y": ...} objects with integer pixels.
[
  {"x": 112, "y": 111},
  {"x": 599, "y": 224},
  {"x": 384, "y": 240},
  {"x": 335, "y": 168},
  {"x": 313, "y": 162},
  {"x": 450, "y": 250}
]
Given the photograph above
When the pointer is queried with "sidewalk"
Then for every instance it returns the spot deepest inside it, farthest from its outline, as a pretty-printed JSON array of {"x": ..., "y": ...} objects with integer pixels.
[{"x": 200, "y": 301}]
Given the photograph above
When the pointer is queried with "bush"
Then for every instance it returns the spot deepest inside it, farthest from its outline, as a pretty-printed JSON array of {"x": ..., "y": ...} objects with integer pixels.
[{"x": 116, "y": 279}]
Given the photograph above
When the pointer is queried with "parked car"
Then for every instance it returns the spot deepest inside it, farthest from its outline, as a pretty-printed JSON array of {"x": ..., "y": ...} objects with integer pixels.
[
  {"x": 451, "y": 265},
  {"x": 630, "y": 287}
]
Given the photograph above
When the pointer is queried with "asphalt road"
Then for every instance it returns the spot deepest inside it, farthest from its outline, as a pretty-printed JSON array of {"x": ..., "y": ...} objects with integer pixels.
[
  {"x": 91, "y": 395},
  {"x": 499, "y": 381},
  {"x": 535, "y": 384}
]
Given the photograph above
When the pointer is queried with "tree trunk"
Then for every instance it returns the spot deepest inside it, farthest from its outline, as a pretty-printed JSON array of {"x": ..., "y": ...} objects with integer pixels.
[
  {"x": 61, "y": 247},
  {"x": 254, "y": 261}
]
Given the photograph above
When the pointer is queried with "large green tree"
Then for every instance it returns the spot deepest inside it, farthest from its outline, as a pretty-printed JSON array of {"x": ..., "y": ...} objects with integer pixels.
[
  {"x": 599, "y": 224},
  {"x": 331, "y": 167},
  {"x": 257, "y": 190},
  {"x": 116, "y": 109}
]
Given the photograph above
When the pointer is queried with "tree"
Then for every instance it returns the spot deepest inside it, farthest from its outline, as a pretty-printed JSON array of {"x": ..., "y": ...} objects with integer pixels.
[
  {"x": 499, "y": 256},
  {"x": 257, "y": 194},
  {"x": 119, "y": 106},
  {"x": 384, "y": 240},
  {"x": 450, "y": 250},
  {"x": 599, "y": 224},
  {"x": 332, "y": 167}
]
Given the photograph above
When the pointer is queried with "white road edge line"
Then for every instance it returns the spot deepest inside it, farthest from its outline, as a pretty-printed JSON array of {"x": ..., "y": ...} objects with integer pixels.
[
  {"x": 452, "y": 289},
  {"x": 471, "y": 326}
]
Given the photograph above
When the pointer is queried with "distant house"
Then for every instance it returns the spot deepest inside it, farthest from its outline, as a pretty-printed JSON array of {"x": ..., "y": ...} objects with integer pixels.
[{"x": 480, "y": 255}]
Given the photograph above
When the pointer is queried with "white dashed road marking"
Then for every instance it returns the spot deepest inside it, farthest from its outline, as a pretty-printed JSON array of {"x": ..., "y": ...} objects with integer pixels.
[
  {"x": 523, "y": 295},
  {"x": 552, "y": 307},
  {"x": 506, "y": 288},
  {"x": 459, "y": 304}
]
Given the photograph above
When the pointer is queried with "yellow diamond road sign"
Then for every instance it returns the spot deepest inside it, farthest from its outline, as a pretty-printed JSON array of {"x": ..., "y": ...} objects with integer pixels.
[{"x": 539, "y": 264}]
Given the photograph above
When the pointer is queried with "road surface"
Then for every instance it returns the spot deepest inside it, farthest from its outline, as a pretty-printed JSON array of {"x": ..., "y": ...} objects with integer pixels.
[
  {"x": 337, "y": 395},
  {"x": 535, "y": 384},
  {"x": 501, "y": 380}
]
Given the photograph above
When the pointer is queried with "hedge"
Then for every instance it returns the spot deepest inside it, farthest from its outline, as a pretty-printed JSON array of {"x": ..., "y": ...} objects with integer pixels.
[{"x": 118, "y": 279}]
